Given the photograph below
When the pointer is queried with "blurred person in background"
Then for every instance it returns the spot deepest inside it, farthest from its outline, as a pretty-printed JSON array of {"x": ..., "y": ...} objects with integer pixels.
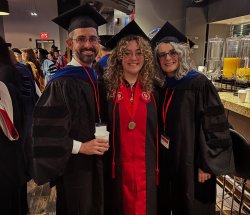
[
  {"x": 62, "y": 60},
  {"x": 48, "y": 66},
  {"x": 56, "y": 53},
  {"x": 29, "y": 98},
  {"x": 51, "y": 56},
  {"x": 18, "y": 54},
  {"x": 13, "y": 169},
  {"x": 36, "y": 53},
  {"x": 30, "y": 60}
]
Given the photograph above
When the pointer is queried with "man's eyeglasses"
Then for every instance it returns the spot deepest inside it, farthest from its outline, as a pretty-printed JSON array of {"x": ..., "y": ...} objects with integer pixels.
[
  {"x": 172, "y": 53},
  {"x": 83, "y": 39},
  {"x": 129, "y": 54}
]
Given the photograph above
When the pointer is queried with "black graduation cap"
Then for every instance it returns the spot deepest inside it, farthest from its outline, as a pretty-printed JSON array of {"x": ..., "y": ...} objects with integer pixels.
[
  {"x": 17, "y": 50},
  {"x": 8, "y": 45},
  {"x": 130, "y": 29},
  {"x": 168, "y": 33},
  {"x": 105, "y": 38},
  {"x": 83, "y": 16},
  {"x": 43, "y": 52}
]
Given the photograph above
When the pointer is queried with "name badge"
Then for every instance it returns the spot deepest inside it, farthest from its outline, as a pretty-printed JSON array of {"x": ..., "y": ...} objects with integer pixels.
[{"x": 165, "y": 141}]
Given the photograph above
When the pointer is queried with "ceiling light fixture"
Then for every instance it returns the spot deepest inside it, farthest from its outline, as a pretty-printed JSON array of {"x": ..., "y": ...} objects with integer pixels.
[
  {"x": 33, "y": 13},
  {"x": 4, "y": 8}
]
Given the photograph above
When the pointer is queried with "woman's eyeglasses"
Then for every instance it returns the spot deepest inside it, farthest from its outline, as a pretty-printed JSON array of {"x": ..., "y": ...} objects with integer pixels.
[
  {"x": 129, "y": 54},
  {"x": 83, "y": 39},
  {"x": 172, "y": 53}
]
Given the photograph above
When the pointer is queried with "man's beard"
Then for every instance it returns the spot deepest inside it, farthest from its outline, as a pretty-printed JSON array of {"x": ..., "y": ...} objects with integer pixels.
[{"x": 87, "y": 59}]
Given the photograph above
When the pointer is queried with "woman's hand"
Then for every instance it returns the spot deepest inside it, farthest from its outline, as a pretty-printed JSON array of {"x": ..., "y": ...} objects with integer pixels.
[{"x": 203, "y": 176}]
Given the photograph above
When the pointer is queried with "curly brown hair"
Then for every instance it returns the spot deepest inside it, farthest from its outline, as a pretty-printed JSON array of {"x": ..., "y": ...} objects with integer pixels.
[{"x": 114, "y": 74}]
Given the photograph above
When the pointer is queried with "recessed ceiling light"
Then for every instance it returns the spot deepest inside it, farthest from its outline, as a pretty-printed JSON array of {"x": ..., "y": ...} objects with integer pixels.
[{"x": 33, "y": 14}]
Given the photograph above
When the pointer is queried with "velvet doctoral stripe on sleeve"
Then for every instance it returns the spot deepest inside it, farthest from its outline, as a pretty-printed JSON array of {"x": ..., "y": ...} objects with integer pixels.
[
  {"x": 215, "y": 152},
  {"x": 199, "y": 138},
  {"x": 63, "y": 113}
]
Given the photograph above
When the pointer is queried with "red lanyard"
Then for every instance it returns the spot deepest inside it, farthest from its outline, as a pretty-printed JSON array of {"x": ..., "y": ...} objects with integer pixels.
[
  {"x": 164, "y": 112},
  {"x": 96, "y": 91},
  {"x": 131, "y": 106}
]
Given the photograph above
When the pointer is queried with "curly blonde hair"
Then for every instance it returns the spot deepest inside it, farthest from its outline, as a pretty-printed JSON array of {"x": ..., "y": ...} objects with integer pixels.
[{"x": 114, "y": 74}]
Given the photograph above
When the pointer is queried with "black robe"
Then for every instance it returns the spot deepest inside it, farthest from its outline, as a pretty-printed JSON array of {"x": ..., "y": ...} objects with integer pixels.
[
  {"x": 140, "y": 154},
  {"x": 199, "y": 138},
  {"x": 13, "y": 172},
  {"x": 66, "y": 112}
]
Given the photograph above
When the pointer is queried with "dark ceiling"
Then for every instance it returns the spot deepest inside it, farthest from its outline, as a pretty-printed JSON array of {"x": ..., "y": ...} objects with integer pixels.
[{"x": 105, "y": 7}]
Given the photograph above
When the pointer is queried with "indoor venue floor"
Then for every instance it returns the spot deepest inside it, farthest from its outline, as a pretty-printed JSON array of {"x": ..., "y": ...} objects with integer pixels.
[{"x": 42, "y": 201}]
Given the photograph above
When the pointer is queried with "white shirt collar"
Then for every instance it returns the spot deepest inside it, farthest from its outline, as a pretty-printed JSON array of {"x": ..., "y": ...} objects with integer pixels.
[{"x": 73, "y": 62}]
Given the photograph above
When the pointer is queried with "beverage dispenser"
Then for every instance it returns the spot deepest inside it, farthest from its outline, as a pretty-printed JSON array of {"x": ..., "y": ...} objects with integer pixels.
[
  {"x": 243, "y": 72},
  {"x": 214, "y": 57},
  {"x": 231, "y": 57}
]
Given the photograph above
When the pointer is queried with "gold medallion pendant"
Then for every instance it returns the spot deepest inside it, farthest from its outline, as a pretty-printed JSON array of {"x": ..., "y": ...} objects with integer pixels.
[{"x": 131, "y": 125}]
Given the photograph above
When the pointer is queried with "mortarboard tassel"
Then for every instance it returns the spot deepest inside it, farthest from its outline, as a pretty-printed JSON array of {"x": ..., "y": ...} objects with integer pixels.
[
  {"x": 157, "y": 151},
  {"x": 113, "y": 139}
]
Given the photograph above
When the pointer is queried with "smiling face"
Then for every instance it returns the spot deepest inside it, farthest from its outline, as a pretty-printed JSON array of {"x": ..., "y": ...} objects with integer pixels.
[
  {"x": 132, "y": 60},
  {"x": 84, "y": 43},
  {"x": 168, "y": 59}
]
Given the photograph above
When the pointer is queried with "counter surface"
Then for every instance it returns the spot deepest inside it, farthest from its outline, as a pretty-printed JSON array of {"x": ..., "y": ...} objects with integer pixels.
[{"x": 231, "y": 103}]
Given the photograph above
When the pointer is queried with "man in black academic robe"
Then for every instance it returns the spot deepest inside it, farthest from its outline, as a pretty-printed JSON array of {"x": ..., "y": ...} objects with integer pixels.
[{"x": 66, "y": 152}]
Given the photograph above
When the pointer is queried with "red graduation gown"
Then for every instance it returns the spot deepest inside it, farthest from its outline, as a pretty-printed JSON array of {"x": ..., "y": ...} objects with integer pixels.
[{"x": 134, "y": 186}]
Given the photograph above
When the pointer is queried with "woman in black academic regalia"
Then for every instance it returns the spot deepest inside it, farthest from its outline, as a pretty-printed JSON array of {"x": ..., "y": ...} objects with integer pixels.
[{"x": 195, "y": 141}]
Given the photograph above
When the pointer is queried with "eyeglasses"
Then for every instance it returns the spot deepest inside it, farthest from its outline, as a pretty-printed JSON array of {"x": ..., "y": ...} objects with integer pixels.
[
  {"x": 83, "y": 39},
  {"x": 129, "y": 54},
  {"x": 172, "y": 53}
]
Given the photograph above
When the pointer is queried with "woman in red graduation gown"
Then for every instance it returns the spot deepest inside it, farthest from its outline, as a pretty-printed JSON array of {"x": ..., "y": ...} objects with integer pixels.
[{"x": 131, "y": 182}]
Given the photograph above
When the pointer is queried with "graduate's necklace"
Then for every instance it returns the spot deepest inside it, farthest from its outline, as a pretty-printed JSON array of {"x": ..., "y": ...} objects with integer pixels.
[
  {"x": 117, "y": 97},
  {"x": 131, "y": 103},
  {"x": 132, "y": 92},
  {"x": 132, "y": 124}
]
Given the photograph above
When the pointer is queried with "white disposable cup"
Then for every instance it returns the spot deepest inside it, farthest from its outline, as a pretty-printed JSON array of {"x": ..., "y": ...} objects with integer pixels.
[
  {"x": 242, "y": 95},
  {"x": 101, "y": 132},
  {"x": 248, "y": 93},
  {"x": 104, "y": 135}
]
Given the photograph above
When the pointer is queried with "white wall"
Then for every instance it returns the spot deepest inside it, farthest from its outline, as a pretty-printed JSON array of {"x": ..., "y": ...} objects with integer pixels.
[
  {"x": 22, "y": 30},
  {"x": 196, "y": 26},
  {"x": 152, "y": 14},
  {"x": 122, "y": 21}
]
